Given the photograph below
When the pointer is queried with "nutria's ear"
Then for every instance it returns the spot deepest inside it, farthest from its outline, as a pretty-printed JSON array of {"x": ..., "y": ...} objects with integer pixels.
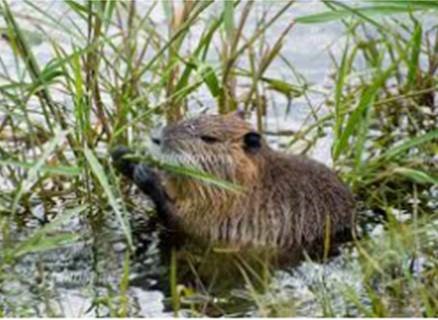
[{"x": 252, "y": 141}]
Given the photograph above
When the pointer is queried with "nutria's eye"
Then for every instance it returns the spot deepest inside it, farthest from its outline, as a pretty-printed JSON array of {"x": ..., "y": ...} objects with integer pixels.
[
  {"x": 209, "y": 139},
  {"x": 252, "y": 141},
  {"x": 156, "y": 141}
]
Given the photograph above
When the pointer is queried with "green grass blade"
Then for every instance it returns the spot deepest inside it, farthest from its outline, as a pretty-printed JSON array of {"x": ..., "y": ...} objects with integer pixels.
[
  {"x": 211, "y": 80},
  {"x": 42, "y": 241},
  {"x": 32, "y": 176},
  {"x": 193, "y": 173},
  {"x": 359, "y": 115},
  {"x": 414, "y": 60},
  {"x": 408, "y": 144},
  {"x": 100, "y": 174},
  {"x": 407, "y": 4},
  {"x": 368, "y": 11},
  {"x": 286, "y": 88},
  {"x": 340, "y": 80},
  {"x": 48, "y": 243},
  {"x": 229, "y": 18},
  {"x": 45, "y": 169},
  {"x": 202, "y": 176},
  {"x": 80, "y": 9},
  {"x": 416, "y": 175}
]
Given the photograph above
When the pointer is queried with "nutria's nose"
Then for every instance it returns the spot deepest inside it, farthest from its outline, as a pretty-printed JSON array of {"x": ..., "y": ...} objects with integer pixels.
[
  {"x": 156, "y": 141},
  {"x": 157, "y": 135}
]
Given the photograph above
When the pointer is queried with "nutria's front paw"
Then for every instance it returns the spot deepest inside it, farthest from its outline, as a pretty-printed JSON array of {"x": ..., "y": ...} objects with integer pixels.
[
  {"x": 146, "y": 179},
  {"x": 123, "y": 164}
]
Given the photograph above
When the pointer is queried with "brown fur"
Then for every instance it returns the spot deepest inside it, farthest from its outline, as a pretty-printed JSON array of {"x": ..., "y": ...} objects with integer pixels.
[{"x": 287, "y": 199}]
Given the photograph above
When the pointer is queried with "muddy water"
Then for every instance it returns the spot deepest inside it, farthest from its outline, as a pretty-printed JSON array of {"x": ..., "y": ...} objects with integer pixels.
[{"x": 85, "y": 279}]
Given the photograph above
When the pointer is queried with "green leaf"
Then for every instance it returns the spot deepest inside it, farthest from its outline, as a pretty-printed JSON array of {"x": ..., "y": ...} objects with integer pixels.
[
  {"x": 416, "y": 175},
  {"x": 407, "y": 4},
  {"x": 190, "y": 63},
  {"x": 32, "y": 38},
  {"x": 49, "y": 243},
  {"x": 415, "y": 54},
  {"x": 62, "y": 170},
  {"x": 369, "y": 11},
  {"x": 229, "y": 18},
  {"x": 77, "y": 7},
  {"x": 340, "y": 80},
  {"x": 41, "y": 241},
  {"x": 211, "y": 80},
  {"x": 99, "y": 172},
  {"x": 193, "y": 173},
  {"x": 32, "y": 175},
  {"x": 200, "y": 175},
  {"x": 284, "y": 87},
  {"x": 408, "y": 144},
  {"x": 359, "y": 116}
]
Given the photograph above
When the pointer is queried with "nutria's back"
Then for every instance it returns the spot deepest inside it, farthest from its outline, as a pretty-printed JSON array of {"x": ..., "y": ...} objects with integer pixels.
[
  {"x": 286, "y": 201},
  {"x": 310, "y": 196}
]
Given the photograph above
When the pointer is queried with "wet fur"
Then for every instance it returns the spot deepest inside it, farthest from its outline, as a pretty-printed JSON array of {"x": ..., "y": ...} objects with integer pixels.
[{"x": 286, "y": 203}]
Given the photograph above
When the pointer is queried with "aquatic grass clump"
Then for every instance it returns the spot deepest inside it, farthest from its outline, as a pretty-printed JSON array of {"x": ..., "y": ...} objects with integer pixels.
[
  {"x": 384, "y": 117},
  {"x": 383, "y": 105},
  {"x": 108, "y": 80},
  {"x": 111, "y": 71},
  {"x": 115, "y": 74},
  {"x": 389, "y": 139}
]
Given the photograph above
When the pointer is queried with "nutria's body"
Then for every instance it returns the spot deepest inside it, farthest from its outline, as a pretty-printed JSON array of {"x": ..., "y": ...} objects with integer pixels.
[{"x": 286, "y": 201}]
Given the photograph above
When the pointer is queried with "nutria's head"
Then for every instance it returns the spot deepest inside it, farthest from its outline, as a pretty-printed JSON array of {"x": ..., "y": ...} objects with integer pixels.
[{"x": 225, "y": 146}]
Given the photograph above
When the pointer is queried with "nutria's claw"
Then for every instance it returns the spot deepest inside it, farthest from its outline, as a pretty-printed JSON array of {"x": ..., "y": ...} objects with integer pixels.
[
  {"x": 121, "y": 163},
  {"x": 146, "y": 179}
]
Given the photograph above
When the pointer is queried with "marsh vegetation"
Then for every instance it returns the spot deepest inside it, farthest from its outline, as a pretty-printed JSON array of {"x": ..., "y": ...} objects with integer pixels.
[{"x": 351, "y": 84}]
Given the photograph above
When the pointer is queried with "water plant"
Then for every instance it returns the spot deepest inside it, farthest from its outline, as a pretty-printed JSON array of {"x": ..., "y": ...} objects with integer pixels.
[{"x": 104, "y": 73}]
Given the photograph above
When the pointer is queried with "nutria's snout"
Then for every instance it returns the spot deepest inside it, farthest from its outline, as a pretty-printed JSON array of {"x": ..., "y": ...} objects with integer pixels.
[{"x": 121, "y": 162}]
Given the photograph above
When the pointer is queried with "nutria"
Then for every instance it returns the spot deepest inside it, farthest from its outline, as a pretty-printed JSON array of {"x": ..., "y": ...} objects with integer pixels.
[{"x": 285, "y": 203}]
